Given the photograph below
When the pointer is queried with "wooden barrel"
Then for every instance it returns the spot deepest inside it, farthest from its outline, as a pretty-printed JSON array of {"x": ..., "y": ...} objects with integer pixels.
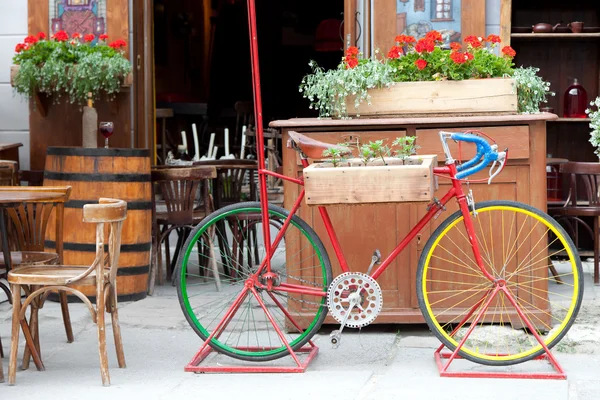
[{"x": 94, "y": 173}]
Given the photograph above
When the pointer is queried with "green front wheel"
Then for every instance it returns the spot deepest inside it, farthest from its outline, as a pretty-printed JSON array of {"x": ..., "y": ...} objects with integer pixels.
[{"x": 219, "y": 259}]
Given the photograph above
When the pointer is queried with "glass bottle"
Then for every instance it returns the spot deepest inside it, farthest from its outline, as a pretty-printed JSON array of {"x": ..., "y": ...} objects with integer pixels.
[{"x": 575, "y": 101}]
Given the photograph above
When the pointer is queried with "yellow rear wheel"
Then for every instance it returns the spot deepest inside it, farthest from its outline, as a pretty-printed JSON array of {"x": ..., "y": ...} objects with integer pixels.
[{"x": 520, "y": 245}]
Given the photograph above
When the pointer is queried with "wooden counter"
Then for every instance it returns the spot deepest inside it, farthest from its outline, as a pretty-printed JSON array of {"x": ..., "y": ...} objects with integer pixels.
[{"x": 362, "y": 229}]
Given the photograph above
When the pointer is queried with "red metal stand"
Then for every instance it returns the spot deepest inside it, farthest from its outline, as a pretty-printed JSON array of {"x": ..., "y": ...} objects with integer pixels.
[
  {"x": 443, "y": 368},
  {"x": 194, "y": 365},
  {"x": 558, "y": 374}
]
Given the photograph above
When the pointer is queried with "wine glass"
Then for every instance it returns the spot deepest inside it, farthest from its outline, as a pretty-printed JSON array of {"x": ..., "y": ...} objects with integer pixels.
[{"x": 106, "y": 129}]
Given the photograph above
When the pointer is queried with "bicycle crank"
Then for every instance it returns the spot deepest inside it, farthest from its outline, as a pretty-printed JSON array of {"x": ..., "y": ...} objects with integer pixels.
[{"x": 354, "y": 300}]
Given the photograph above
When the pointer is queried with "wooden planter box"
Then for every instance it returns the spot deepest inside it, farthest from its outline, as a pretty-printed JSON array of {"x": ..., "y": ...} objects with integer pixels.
[
  {"x": 356, "y": 184},
  {"x": 440, "y": 98}
]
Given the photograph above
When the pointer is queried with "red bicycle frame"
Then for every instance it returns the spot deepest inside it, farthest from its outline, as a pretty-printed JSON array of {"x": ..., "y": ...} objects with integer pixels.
[{"x": 450, "y": 171}]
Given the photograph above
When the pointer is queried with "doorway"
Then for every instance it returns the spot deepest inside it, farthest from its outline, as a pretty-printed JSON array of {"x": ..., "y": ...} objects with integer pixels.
[{"x": 202, "y": 62}]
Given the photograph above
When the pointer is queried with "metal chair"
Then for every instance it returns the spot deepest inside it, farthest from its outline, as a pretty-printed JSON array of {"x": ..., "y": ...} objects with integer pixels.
[{"x": 582, "y": 202}]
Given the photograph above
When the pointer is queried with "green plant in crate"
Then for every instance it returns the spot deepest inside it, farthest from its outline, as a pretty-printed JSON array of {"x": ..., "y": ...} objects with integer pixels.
[
  {"x": 379, "y": 150},
  {"x": 595, "y": 125},
  {"x": 366, "y": 154},
  {"x": 73, "y": 66},
  {"x": 335, "y": 155},
  {"x": 406, "y": 147}
]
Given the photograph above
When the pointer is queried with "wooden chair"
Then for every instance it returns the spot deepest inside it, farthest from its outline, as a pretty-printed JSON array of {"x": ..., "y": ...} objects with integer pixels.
[
  {"x": 9, "y": 173},
  {"x": 582, "y": 202},
  {"x": 180, "y": 211},
  {"x": 27, "y": 234},
  {"x": 102, "y": 274}
]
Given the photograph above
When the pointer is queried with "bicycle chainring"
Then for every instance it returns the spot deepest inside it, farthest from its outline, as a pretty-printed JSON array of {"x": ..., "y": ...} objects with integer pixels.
[{"x": 358, "y": 286}]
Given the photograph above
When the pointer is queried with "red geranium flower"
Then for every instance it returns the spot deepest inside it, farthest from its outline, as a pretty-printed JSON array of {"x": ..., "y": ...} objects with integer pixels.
[
  {"x": 30, "y": 40},
  {"x": 76, "y": 35},
  {"x": 104, "y": 36},
  {"x": 41, "y": 36},
  {"x": 455, "y": 46},
  {"x": 352, "y": 51},
  {"x": 395, "y": 52},
  {"x": 61, "y": 36},
  {"x": 434, "y": 36},
  {"x": 89, "y": 37},
  {"x": 405, "y": 39},
  {"x": 509, "y": 51},
  {"x": 458, "y": 57},
  {"x": 469, "y": 56},
  {"x": 473, "y": 41},
  {"x": 117, "y": 44},
  {"x": 351, "y": 62},
  {"x": 425, "y": 45},
  {"x": 20, "y": 47},
  {"x": 493, "y": 39},
  {"x": 421, "y": 64}
]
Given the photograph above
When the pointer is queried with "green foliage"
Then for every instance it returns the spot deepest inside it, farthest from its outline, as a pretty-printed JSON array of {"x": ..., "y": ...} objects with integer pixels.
[
  {"x": 335, "y": 154},
  {"x": 379, "y": 149},
  {"x": 366, "y": 154},
  {"x": 70, "y": 67},
  {"x": 406, "y": 146},
  {"x": 327, "y": 91},
  {"x": 531, "y": 90},
  {"x": 595, "y": 125}
]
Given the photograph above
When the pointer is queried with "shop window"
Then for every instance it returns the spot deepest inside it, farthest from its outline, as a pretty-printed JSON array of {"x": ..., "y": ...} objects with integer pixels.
[{"x": 441, "y": 10}]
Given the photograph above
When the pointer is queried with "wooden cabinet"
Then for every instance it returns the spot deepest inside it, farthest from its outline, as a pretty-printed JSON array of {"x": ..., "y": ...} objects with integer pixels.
[{"x": 362, "y": 229}]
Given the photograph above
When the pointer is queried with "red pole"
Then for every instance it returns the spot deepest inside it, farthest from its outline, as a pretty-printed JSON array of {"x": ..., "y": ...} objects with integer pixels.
[{"x": 260, "y": 150}]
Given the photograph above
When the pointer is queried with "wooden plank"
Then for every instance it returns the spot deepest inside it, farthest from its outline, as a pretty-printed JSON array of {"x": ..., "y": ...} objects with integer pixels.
[
  {"x": 356, "y": 184},
  {"x": 472, "y": 18},
  {"x": 516, "y": 138},
  {"x": 38, "y": 19},
  {"x": 349, "y": 23},
  {"x": 117, "y": 21},
  {"x": 384, "y": 25},
  {"x": 443, "y": 97},
  {"x": 505, "y": 21},
  {"x": 403, "y": 121}
]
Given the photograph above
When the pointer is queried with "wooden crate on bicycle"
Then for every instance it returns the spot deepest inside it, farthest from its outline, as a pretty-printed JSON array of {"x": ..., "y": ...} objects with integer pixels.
[{"x": 353, "y": 183}]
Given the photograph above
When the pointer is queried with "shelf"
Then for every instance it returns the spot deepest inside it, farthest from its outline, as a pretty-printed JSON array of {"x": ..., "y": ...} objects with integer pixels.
[
  {"x": 570, "y": 120},
  {"x": 554, "y": 35}
]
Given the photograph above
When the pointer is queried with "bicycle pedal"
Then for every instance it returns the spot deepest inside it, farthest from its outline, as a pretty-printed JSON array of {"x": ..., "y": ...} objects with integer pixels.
[{"x": 336, "y": 338}]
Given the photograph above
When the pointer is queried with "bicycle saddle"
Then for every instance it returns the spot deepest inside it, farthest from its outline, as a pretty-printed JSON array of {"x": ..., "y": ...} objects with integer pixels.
[{"x": 312, "y": 148}]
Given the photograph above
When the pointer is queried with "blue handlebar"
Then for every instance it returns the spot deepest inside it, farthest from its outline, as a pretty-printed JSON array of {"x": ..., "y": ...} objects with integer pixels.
[{"x": 485, "y": 155}]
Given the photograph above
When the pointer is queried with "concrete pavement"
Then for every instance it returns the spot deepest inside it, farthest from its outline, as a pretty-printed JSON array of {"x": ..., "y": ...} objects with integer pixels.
[{"x": 379, "y": 362}]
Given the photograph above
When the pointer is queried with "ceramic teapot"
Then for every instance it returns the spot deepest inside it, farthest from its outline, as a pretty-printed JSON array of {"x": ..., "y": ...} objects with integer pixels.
[{"x": 544, "y": 28}]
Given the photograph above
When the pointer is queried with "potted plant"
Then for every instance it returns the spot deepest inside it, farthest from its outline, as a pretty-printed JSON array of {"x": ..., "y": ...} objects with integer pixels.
[
  {"x": 76, "y": 67},
  {"x": 80, "y": 69},
  {"x": 418, "y": 77},
  {"x": 374, "y": 177}
]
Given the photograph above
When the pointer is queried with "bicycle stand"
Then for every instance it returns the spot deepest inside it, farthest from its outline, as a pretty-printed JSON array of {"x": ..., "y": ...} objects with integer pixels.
[
  {"x": 205, "y": 350},
  {"x": 443, "y": 369}
]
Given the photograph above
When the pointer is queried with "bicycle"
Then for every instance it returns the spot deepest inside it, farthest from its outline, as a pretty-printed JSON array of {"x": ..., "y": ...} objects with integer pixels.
[{"x": 482, "y": 278}]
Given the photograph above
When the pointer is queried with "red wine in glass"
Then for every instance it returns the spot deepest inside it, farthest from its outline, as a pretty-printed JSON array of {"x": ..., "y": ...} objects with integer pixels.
[{"x": 106, "y": 130}]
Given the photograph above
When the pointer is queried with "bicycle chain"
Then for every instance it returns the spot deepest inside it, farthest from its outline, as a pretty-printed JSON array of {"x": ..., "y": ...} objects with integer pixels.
[{"x": 302, "y": 281}]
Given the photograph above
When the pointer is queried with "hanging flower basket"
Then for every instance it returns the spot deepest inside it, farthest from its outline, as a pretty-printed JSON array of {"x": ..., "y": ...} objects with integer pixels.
[{"x": 75, "y": 68}]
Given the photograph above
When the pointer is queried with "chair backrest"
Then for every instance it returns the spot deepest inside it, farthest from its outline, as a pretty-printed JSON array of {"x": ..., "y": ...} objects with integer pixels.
[
  {"x": 179, "y": 187},
  {"x": 112, "y": 212},
  {"x": 589, "y": 174},
  {"x": 9, "y": 171},
  {"x": 227, "y": 188},
  {"x": 30, "y": 219},
  {"x": 244, "y": 111}
]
